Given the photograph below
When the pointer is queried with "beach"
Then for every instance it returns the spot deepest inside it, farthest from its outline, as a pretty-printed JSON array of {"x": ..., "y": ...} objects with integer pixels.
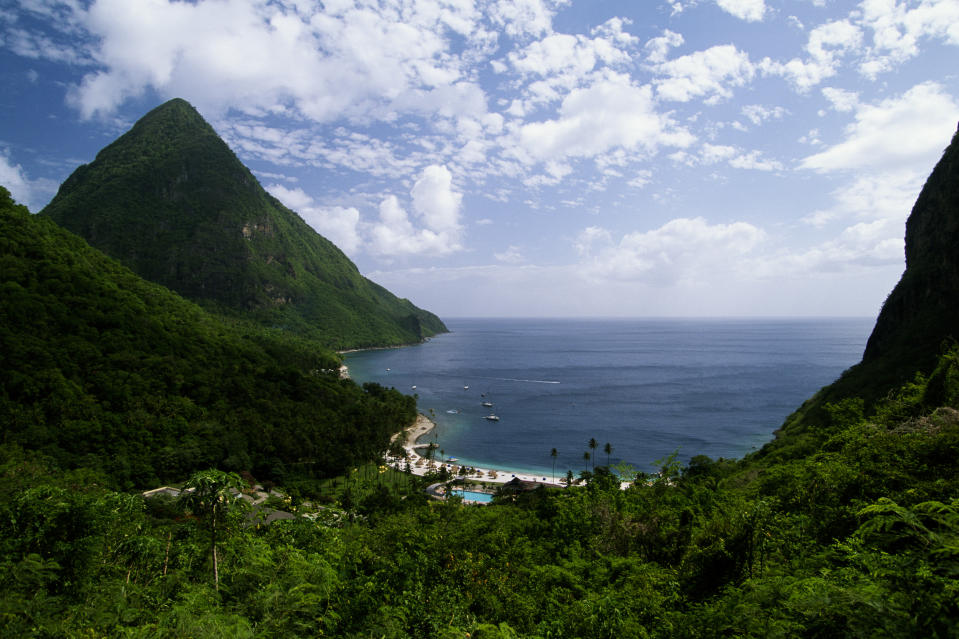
[{"x": 421, "y": 465}]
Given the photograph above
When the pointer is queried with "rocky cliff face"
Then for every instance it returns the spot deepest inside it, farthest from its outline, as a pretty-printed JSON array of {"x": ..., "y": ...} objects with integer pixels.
[
  {"x": 919, "y": 317},
  {"x": 923, "y": 309}
]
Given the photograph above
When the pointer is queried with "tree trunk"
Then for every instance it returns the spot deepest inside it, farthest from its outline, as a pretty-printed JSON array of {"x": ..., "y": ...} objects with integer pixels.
[{"x": 216, "y": 569}]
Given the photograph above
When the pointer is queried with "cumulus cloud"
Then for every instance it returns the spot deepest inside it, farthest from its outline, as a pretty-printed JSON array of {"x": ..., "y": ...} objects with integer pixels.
[
  {"x": 825, "y": 48},
  {"x": 437, "y": 206},
  {"x": 710, "y": 73},
  {"x": 841, "y": 99},
  {"x": 897, "y": 30},
  {"x": 34, "y": 194},
  {"x": 657, "y": 49},
  {"x": 682, "y": 250},
  {"x": 574, "y": 54},
  {"x": 314, "y": 61},
  {"x": 612, "y": 113},
  {"x": 886, "y": 152},
  {"x": 12, "y": 177},
  {"x": 519, "y": 18},
  {"x": 749, "y": 10},
  {"x": 904, "y": 131}
]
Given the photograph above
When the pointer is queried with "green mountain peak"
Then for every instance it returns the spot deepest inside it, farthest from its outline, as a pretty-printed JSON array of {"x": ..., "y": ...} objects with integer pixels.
[{"x": 171, "y": 201}]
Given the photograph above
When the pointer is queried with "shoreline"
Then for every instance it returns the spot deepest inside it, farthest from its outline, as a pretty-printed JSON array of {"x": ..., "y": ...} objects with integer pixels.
[{"x": 420, "y": 465}]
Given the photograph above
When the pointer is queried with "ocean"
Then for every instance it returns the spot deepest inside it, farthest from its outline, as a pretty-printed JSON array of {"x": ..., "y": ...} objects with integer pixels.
[{"x": 648, "y": 387}]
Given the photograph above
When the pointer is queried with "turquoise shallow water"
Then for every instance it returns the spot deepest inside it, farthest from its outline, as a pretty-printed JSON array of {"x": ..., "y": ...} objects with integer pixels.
[{"x": 647, "y": 387}]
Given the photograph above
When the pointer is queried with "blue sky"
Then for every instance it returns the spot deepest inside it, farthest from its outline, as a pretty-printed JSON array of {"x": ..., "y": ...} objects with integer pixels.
[{"x": 531, "y": 157}]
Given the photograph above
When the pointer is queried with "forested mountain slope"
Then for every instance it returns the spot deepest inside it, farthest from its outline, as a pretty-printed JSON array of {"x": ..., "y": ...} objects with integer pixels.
[
  {"x": 171, "y": 201},
  {"x": 920, "y": 318},
  {"x": 103, "y": 369}
]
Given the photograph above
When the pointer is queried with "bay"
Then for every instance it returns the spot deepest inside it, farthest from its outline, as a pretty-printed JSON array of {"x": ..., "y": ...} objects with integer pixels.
[{"x": 648, "y": 387}]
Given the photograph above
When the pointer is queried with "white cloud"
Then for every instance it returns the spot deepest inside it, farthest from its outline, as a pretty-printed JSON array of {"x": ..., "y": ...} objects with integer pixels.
[
  {"x": 682, "y": 250},
  {"x": 519, "y": 18},
  {"x": 611, "y": 113},
  {"x": 737, "y": 158},
  {"x": 657, "y": 49},
  {"x": 295, "y": 198},
  {"x": 841, "y": 100},
  {"x": 437, "y": 205},
  {"x": 322, "y": 63},
  {"x": 826, "y": 46},
  {"x": 886, "y": 195},
  {"x": 34, "y": 194},
  {"x": 340, "y": 225},
  {"x": 12, "y": 177},
  {"x": 708, "y": 73},
  {"x": 512, "y": 255},
  {"x": 574, "y": 55},
  {"x": 887, "y": 152},
  {"x": 898, "y": 29},
  {"x": 862, "y": 246},
  {"x": 757, "y": 113},
  {"x": 642, "y": 178},
  {"x": 435, "y": 200},
  {"x": 905, "y": 131},
  {"x": 749, "y": 10}
]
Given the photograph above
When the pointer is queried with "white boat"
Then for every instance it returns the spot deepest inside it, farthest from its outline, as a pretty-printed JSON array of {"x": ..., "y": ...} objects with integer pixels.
[
  {"x": 492, "y": 418},
  {"x": 466, "y": 387},
  {"x": 488, "y": 404}
]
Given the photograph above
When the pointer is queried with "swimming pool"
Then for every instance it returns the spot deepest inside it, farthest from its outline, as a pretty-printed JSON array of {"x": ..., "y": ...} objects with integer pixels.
[{"x": 472, "y": 495}]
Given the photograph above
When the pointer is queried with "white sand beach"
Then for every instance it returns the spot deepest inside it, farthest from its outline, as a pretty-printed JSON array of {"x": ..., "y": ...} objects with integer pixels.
[{"x": 420, "y": 465}]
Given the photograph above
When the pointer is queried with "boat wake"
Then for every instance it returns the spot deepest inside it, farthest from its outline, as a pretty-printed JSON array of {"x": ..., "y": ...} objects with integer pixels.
[{"x": 529, "y": 381}]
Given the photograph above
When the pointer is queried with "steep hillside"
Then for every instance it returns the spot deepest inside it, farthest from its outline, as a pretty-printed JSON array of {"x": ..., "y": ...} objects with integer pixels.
[
  {"x": 171, "y": 201},
  {"x": 102, "y": 369},
  {"x": 919, "y": 320}
]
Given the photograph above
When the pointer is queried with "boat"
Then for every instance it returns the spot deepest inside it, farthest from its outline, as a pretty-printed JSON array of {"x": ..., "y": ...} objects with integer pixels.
[
  {"x": 466, "y": 387},
  {"x": 488, "y": 404},
  {"x": 492, "y": 418},
  {"x": 414, "y": 387}
]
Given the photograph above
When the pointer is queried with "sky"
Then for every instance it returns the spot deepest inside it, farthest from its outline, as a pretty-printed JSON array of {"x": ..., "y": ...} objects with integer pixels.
[{"x": 531, "y": 158}]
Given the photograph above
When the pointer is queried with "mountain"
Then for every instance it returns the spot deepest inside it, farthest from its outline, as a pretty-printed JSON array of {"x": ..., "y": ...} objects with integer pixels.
[
  {"x": 923, "y": 309},
  {"x": 102, "y": 369},
  {"x": 171, "y": 201},
  {"x": 919, "y": 320}
]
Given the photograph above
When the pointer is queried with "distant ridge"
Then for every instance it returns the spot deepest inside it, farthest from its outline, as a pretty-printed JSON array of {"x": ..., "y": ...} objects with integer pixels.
[{"x": 170, "y": 200}]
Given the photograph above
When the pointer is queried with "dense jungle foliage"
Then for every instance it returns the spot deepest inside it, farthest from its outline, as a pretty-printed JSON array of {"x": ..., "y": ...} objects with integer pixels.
[
  {"x": 171, "y": 201},
  {"x": 859, "y": 537},
  {"x": 103, "y": 370}
]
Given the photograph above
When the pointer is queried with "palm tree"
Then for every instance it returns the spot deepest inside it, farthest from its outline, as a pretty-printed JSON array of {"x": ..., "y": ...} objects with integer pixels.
[
  {"x": 609, "y": 451},
  {"x": 592, "y": 447},
  {"x": 586, "y": 461},
  {"x": 210, "y": 494},
  {"x": 553, "y": 453}
]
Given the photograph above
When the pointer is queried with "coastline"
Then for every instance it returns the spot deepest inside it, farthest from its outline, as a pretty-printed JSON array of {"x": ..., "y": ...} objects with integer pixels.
[{"x": 420, "y": 465}]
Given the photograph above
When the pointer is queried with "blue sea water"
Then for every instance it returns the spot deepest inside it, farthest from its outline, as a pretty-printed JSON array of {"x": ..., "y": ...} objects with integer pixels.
[{"x": 716, "y": 387}]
